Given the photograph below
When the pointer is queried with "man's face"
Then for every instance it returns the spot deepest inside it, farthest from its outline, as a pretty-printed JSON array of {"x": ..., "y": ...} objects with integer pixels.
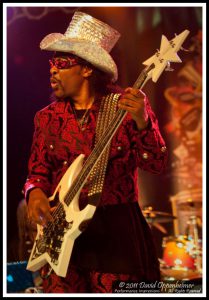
[{"x": 66, "y": 76}]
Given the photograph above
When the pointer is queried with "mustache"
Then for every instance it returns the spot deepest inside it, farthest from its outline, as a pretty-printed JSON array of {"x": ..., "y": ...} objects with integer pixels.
[{"x": 54, "y": 80}]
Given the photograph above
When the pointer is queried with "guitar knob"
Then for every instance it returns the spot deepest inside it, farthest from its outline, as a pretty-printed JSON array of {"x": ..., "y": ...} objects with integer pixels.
[
  {"x": 83, "y": 225},
  {"x": 69, "y": 226},
  {"x": 185, "y": 50},
  {"x": 168, "y": 68}
]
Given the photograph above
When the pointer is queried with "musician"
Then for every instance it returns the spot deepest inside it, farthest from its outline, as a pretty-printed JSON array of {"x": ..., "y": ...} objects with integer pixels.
[{"x": 117, "y": 243}]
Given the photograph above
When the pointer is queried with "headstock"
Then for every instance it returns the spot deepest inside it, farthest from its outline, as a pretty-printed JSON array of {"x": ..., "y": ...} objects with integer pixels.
[{"x": 162, "y": 58}]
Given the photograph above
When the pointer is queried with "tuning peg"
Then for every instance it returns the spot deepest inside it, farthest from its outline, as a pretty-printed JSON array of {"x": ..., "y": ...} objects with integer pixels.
[
  {"x": 185, "y": 50},
  {"x": 182, "y": 48},
  {"x": 168, "y": 67},
  {"x": 157, "y": 52}
]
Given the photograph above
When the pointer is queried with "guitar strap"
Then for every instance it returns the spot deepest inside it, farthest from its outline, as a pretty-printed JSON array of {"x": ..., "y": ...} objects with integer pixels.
[{"x": 107, "y": 112}]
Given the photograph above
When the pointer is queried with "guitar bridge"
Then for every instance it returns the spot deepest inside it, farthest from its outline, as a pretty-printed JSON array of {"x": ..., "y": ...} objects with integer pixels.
[{"x": 51, "y": 237}]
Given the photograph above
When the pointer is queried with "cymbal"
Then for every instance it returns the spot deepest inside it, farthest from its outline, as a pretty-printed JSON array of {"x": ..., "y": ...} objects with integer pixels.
[{"x": 153, "y": 216}]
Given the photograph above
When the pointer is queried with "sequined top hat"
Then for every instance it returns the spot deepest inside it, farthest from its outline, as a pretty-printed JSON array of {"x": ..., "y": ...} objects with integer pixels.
[{"x": 88, "y": 38}]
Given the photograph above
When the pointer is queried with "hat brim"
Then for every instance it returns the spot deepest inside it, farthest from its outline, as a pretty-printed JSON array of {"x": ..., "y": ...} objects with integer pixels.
[{"x": 87, "y": 50}]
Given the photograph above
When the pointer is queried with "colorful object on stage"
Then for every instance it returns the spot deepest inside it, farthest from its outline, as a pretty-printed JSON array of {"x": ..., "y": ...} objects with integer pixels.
[
  {"x": 181, "y": 258},
  {"x": 178, "y": 252}
]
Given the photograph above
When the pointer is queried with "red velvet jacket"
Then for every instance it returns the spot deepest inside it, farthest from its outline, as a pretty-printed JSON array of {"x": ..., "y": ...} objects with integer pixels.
[{"x": 58, "y": 141}]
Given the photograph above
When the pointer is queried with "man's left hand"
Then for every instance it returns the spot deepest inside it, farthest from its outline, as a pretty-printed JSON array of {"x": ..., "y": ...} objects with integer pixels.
[{"x": 133, "y": 101}]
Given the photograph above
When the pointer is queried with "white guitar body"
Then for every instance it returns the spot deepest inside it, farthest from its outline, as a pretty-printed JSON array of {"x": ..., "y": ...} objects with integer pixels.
[
  {"x": 54, "y": 243},
  {"x": 73, "y": 215}
]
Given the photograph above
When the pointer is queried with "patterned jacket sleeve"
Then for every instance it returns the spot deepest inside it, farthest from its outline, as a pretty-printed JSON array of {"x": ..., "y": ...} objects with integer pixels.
[
  {"x": 148, "y": 144},
  {"x": 39, "y": 168}
]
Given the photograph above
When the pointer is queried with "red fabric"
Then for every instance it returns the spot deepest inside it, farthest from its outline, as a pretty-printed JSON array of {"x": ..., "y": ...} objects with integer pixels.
[
  {"x": 58, "y": 139},
  {"x": 83, "y": 281}
]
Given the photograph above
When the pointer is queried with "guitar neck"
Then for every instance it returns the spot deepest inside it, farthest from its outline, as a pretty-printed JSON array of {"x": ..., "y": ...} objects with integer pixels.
[
  {"x": 143, "y": 77},
  {"x": 103, "y": 143}
]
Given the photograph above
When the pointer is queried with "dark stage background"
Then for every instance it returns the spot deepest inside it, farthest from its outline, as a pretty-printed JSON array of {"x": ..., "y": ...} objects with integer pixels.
[{"x": 28, "y": 88}]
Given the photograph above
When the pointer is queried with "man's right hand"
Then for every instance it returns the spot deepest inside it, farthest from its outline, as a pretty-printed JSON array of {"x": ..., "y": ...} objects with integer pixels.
[{"x": 38, "y": 207}]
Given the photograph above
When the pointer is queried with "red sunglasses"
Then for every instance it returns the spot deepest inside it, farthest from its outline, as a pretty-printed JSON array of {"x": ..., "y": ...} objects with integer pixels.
[{"x": 63, "y": 63}]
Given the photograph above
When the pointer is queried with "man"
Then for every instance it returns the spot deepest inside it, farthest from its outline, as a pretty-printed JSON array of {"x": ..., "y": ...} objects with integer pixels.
[{"x": 117, "y": 244}]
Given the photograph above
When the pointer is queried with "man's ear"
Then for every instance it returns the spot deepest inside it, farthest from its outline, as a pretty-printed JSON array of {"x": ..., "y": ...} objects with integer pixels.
[{"x": 87, "y": 71}]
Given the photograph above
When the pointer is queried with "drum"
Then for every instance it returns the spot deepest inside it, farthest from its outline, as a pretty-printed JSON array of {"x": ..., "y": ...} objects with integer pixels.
[
  {"x": 178, "y": 253},
  {"x": 181, "y": 260}
]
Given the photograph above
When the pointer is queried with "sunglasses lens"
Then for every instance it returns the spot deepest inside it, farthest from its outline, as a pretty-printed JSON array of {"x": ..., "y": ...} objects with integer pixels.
[
  {"x": 62, "y": 63},
  {"x": 51, "y": 64}
]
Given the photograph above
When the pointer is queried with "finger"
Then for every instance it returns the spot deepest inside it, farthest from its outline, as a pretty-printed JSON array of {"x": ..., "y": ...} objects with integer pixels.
[
  {"x": 134, "y": 92},
  {"x": 135, "y": 98},
  {"x": 41, "y": 217},
  {"x": 42, "y": 220},
  {"x": 46, "y": 218},
  {"x": 131, "y": 103},
  {"x": 129, "y": 90},
  {"x": 127, "y": 107},
  {"x": 130, "y": 97},
  {"x": 32, "y": 224},
  {"x": 52, "y": 209}
]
